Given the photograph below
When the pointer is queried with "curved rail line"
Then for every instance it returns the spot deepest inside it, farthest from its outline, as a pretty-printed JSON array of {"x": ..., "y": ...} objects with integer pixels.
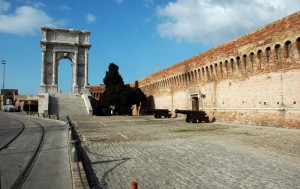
[
  {"x": 23, "y": 176},
  {"x": 21, "y": 131}
]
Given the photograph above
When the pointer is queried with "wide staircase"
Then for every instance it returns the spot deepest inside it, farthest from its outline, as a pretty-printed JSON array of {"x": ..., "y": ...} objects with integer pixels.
[{"x": 66, "y": 104}]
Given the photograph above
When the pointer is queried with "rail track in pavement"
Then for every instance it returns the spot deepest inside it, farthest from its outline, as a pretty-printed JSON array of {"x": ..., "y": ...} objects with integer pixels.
[
  {"x": 10, "y": 139},
  {"x": 18, "y": 155}
]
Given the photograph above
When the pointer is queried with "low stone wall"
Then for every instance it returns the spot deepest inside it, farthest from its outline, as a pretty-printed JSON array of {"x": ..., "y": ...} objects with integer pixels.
[
  {"x": 269, "y": 117},
  {"x": 44, "y": 104},
  {"x": 87, "y": 103}
]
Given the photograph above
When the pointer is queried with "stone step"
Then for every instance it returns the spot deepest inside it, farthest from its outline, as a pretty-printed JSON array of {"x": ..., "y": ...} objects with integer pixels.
[{"x": 66, "y": 104}]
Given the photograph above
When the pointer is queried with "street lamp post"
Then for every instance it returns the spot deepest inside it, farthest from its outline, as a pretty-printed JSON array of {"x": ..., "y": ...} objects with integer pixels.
[{"x": 3, "y": 62}]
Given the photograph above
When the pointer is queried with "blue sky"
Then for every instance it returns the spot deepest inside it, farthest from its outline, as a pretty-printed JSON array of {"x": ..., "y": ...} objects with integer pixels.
[{"x": 137, "y": 35}]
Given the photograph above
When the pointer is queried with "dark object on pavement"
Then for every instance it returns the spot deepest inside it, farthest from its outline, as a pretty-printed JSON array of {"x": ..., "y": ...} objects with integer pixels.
[
  {"x": 158, "y": 113},
  {"x": 194, "y": 116}
]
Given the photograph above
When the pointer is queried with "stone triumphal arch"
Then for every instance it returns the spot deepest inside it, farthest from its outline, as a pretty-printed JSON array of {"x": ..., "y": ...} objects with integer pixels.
[{"x": 60, "y": 44}]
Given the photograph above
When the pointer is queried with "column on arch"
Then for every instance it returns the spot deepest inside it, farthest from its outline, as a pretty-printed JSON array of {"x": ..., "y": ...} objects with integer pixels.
[
  {"x": 54, "y": 74},
  {"x": 75, "y": 70},
  {"x": 43, "y": 66},
  {"x": 86, "y": 61}
]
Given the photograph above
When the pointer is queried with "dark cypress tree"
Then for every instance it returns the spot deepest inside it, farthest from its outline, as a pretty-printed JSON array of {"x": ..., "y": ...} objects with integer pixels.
[
  {"x": 112, "y": 77},
  {"x": 116, "y": 94}
]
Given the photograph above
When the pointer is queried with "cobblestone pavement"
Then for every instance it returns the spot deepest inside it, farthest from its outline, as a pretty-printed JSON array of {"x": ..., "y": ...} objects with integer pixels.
[{"x": 169, "y": 153}]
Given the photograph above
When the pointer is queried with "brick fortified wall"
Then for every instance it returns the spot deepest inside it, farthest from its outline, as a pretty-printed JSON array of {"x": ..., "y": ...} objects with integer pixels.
[{"x": 254, "y": 79}]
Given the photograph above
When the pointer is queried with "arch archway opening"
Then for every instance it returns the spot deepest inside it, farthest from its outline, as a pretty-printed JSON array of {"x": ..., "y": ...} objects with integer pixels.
[
  {"x": 8, "y": 101},
  {"x": 65, "y": 76}
]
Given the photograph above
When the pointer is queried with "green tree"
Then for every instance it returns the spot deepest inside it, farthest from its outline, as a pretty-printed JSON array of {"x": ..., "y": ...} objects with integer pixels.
[
  {"x": 111, "y": 96},
  {"x": 117, "y": 94},
  {"x": 130, "y": 96},
  {"x": 112, "y": 77}
]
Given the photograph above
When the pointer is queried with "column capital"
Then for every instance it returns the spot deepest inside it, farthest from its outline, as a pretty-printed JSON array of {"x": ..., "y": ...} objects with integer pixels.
[{"x": 44, "y": 48}]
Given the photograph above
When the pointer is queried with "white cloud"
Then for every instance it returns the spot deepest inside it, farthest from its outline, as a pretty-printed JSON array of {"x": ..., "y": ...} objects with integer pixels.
[
  {"x": 149, "y": 3},
  {"x": 212, "y": 22},
  {"x": 119, "y": 1},
  {"x": 64, "y": 8},
  {"x": 90, "y": 18},
  {"x": 26, "y": 20},
  {"x": 38, "y": 5},
  {"x": 4, "y": 6}
]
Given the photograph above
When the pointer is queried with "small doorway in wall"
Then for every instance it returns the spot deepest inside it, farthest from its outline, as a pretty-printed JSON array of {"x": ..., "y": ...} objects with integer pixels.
[
  {"x": 65, "y": 76},
  {"x": 195, "y": 101},
  {"x": 195, "y": 104}
]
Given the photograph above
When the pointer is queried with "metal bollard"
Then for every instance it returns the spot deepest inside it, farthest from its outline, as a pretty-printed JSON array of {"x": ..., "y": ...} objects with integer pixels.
[
  {"x": 71, "y": 134},
  {"x": 69, "y": 125},
  {"x": 74, "y": 155}
]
